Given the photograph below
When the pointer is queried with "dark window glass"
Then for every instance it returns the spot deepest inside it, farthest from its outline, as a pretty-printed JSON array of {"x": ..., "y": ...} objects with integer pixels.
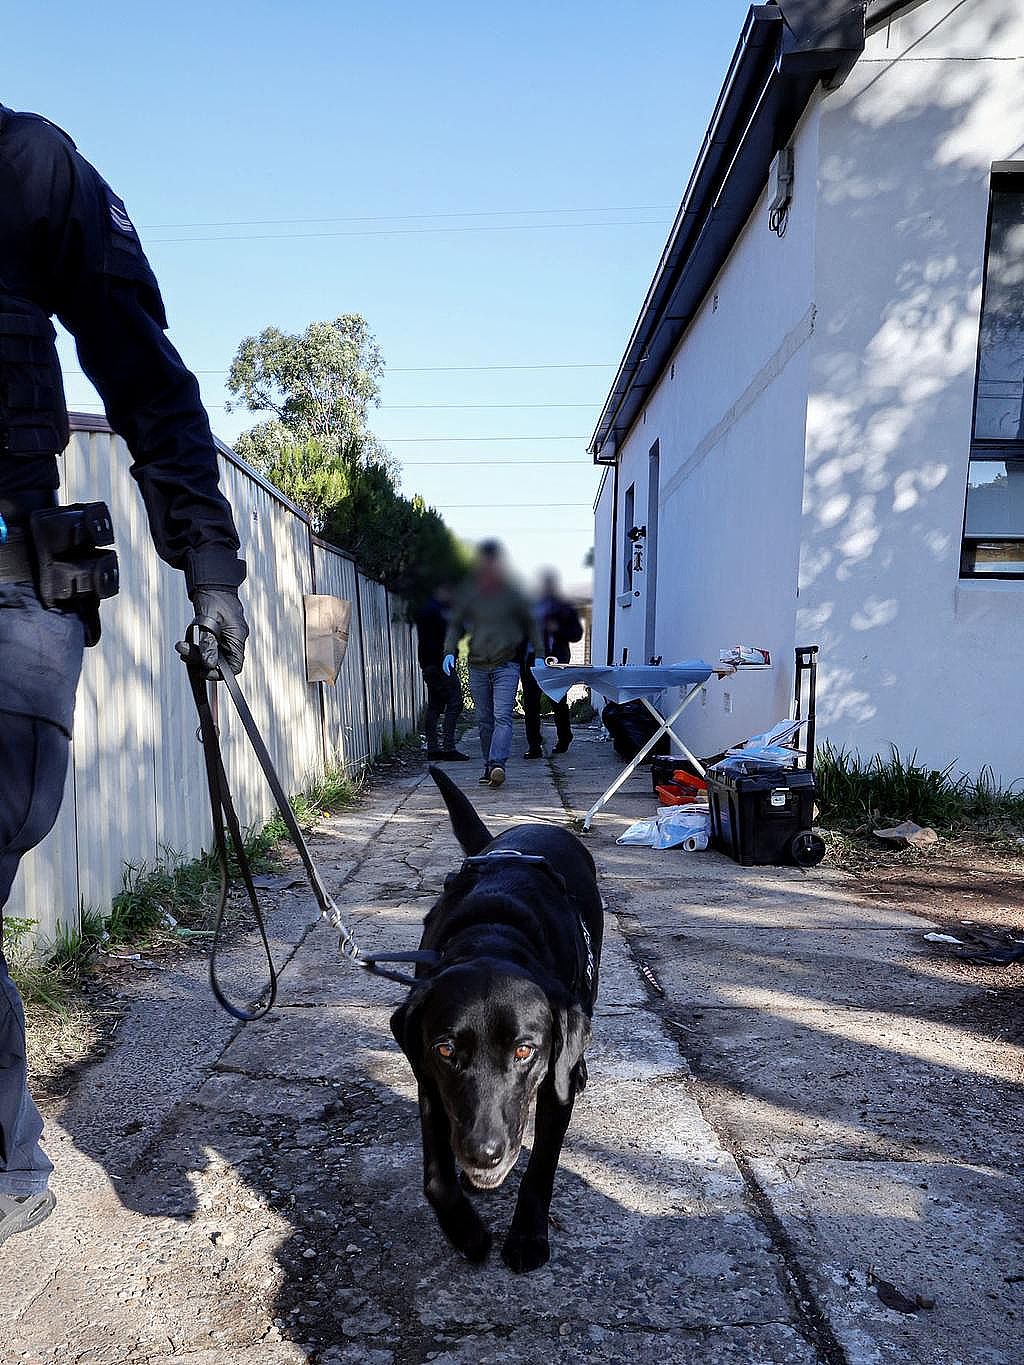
[
  {"x": 999, "y": 411},
  {"x": 995, "y": 498},
  {"x": 993, "y": 543}
]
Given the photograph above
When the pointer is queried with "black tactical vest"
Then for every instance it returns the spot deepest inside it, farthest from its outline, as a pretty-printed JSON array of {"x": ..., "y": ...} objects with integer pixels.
[{"x": 33, "y": 410}]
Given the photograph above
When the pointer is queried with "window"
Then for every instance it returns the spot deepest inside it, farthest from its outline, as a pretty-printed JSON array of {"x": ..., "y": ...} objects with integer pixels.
[
  {"x": 993, "y": 544},
  {"x": 629, "y": 509}
]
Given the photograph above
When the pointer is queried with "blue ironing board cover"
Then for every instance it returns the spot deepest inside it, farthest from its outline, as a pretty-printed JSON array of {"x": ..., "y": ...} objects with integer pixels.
[{"x": 622, "y": 682}]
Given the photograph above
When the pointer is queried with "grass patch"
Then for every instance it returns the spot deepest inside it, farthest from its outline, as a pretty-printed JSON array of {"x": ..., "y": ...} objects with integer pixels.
[
  {"x": 858, "y": 794},
  {"x": 335, "y": 791},
  {"x": 45, "y": 977},
  {"x": 155, "y": 899}
]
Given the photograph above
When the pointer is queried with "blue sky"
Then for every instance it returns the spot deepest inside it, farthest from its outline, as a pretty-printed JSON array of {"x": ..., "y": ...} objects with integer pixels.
[{"x": 489, "y": 188}]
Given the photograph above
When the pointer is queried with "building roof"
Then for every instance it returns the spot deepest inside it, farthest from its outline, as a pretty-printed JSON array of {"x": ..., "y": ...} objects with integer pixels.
[{"x": 785, "y": 50}]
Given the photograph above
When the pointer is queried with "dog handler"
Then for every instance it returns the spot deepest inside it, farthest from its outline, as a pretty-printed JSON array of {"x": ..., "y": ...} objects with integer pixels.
[{"x": 68, "y": 247}]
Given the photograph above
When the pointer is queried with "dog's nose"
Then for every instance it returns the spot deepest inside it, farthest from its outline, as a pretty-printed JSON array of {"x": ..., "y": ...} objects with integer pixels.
[{"x": 484, "y": 1152}]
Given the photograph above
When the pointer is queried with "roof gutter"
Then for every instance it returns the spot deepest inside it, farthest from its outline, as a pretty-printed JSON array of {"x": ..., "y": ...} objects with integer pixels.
[{"x": 773, "y": 73}]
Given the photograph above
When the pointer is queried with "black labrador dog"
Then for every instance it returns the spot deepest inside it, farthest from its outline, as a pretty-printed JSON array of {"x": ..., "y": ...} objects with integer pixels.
[{"x": 500, "y": 1017}]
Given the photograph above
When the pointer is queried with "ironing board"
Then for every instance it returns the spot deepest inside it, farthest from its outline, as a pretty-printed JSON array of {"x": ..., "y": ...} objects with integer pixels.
[{"x": 646, "y": 683}]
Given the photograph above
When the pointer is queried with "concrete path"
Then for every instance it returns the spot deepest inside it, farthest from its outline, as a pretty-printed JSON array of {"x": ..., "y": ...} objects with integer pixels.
[{"x": 803, "y": 1097}]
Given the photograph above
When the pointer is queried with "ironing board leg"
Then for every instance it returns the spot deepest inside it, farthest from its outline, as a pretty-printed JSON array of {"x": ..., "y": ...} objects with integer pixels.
[
  {"x": 664, "y": 727},
  {"x": 669, "y": 731}
]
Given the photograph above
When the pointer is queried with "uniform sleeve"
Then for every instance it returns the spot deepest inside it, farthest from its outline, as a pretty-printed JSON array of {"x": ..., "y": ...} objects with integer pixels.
[
  {"x": 531, "y": 627},
  {"x": 106, "y": 295}
]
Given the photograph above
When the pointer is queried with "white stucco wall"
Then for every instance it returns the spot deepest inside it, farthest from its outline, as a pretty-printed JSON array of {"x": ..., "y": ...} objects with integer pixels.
[
  {"x": 730, "y": 424},
  {"x": 911, "y": 654}
]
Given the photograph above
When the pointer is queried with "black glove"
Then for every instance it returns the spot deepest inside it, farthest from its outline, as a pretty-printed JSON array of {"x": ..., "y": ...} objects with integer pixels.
[{"x": 219, "y": 628}]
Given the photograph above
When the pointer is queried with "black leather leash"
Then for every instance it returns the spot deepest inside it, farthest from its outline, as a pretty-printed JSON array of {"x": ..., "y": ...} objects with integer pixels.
[{"x": 225, "y": 822}]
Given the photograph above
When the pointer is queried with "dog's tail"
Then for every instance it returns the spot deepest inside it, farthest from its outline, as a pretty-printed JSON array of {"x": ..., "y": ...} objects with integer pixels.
[{"x": 470, "y": 830}]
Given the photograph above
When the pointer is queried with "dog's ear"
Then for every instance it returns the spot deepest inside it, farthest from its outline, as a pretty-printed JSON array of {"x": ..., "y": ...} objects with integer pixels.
[
  {"x": 405, "y": 1027},
  {"x": 571, "y": 1036},
  {"x": 470, "y": 830}
]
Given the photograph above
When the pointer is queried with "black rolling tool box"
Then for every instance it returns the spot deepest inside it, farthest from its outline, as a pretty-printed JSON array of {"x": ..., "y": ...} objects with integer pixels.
[
  {"x": 763, "y": 815},
  {"x": 761, "y": 818}
]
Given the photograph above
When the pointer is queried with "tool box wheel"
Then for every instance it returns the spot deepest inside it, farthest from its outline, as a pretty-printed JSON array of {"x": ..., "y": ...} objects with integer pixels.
[{"x": 806, "y": 848}]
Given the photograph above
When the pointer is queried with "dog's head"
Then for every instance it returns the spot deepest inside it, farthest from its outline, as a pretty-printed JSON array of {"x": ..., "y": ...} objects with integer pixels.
[{"x": 487, "y": 1037}]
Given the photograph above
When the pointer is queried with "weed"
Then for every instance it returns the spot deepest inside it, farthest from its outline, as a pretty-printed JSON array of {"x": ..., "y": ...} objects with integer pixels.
[
  {"x": 45, "y": 975},
  {"x": 857, "y": 793},
  {"x": 335, "y": 790}
]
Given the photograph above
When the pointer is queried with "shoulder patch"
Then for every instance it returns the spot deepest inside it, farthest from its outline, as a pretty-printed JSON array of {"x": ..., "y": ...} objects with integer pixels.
[{"x": 119, "y": 214}]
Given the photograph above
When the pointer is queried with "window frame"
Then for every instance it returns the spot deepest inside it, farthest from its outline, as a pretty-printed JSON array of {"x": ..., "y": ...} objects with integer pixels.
[{"x": 1005, "y": 176}]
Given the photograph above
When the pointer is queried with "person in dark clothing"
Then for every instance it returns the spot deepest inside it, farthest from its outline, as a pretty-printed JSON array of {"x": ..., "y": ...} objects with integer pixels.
[
  {"x": 444, "y": 692},
  {"x": 68, "y": 247},
  {"x": 559, "y": 625}
]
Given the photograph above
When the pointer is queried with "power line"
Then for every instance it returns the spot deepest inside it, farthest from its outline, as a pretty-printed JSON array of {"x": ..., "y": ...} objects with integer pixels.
[
  {"x": 458, "y": 369},
  {"x": 517, "y": 464},
  {"x": 396, "y": 407},
  {"x": 533, "y": 530},
  {"x": 407, "y": 232},
  {"x": 501, "y": 507},
  {"x": 423, "y": 440},
  {"x": 412, "y": 217},
  {"x": 430, "y": 407},
  {"x": 426, "y": 440}
]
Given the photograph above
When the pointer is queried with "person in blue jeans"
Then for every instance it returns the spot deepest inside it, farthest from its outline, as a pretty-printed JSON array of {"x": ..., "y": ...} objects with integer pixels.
[{"x": 497, "y": 617}]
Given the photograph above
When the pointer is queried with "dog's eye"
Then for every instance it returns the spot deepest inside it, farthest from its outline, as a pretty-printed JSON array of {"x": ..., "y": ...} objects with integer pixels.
[
  {"x": 446, "y": 1051},
  {"x": 524, "y": 1052}
]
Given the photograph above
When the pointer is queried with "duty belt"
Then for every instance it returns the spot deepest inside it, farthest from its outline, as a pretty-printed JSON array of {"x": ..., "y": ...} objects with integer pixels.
[{"x": 65, "y": 552}]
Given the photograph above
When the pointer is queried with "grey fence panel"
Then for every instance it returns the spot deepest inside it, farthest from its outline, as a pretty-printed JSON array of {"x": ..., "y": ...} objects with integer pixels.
[
  {"x": 347, "y": 739},
  {"x": 136, "y": 787},
  {"x": 404, "y": 667},
  {"x": 375, "y": 622}
]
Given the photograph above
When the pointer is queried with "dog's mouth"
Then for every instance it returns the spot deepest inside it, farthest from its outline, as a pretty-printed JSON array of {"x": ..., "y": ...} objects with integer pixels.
[{"x": 490, "y": 1177}]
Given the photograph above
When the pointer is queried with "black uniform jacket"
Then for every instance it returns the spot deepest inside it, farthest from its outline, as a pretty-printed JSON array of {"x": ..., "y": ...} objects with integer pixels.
[{"x": 68, "y": 247}]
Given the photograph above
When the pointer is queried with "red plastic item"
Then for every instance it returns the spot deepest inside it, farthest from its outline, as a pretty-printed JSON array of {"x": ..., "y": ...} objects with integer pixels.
[
  {"x": 669, "y": 794},
  {"x": 684, "y": 779}
]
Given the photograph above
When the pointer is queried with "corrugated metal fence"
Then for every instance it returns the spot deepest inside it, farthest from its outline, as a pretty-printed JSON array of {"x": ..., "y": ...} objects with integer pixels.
[{"x": 135, "y": 791}]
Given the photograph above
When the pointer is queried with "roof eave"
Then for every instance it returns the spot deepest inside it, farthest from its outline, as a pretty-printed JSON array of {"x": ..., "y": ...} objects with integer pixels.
[{"x": 770, "y": 81}]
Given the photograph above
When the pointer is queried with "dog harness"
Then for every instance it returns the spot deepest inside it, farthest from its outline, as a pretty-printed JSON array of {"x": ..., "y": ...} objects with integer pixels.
[{"x": 479, "y": 863}]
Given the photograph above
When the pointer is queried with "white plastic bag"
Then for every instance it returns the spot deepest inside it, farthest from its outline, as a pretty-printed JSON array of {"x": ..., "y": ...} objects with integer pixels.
[
  {"x": 672, "y": 827},
  {"x": 764, "y": 751}
]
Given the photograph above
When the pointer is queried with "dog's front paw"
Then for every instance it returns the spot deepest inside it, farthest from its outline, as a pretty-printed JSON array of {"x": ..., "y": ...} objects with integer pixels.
[
  {"x": 466, "y": 1231},
  {"x": 522, "y": 1253}
]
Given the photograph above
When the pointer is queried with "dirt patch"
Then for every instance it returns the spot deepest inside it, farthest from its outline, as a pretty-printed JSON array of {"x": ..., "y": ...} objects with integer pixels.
[
  {"x": 963, "y": 880},
  {"x": 969, "y": 881}
]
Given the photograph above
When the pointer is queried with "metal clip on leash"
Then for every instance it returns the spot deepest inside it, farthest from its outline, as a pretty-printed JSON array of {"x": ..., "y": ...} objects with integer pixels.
[{"x": 223, "y": 811}]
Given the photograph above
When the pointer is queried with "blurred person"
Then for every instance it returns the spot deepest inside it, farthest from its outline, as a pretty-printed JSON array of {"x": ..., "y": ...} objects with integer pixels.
[
  {"x": 444, "y": 691},
  {"x": 496, "y": 616},
  {"x": 559, "y": 627}
]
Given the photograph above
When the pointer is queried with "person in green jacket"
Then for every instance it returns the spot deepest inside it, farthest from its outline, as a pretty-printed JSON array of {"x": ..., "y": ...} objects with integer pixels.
[{"x": 498, "y": 619}]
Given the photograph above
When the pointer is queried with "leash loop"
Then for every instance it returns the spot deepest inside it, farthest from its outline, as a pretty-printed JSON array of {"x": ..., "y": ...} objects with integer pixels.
[{"x": 225, "y": 818}]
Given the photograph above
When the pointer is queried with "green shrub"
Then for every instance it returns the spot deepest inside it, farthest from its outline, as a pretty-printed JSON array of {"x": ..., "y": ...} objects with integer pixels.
[{"x": 854, "y": 792}]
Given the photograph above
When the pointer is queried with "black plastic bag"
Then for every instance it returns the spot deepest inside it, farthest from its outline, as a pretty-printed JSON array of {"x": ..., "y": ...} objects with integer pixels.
[{"x": 631, "y": 725}]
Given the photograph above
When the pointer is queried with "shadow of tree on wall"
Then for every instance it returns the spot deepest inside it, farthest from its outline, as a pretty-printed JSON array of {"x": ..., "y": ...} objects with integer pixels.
[{"x": 907, "y": 151}]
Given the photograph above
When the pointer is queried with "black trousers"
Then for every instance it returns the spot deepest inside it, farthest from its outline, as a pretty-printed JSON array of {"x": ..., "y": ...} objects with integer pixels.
[
  {"x": 42, "y": 654},
  {"x": 444, "y": 698},
  {"x": 531, "y": 710}
]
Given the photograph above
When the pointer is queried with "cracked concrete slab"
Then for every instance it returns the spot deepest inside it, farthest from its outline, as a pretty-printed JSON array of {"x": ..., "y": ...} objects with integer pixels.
[
  {"x": 951, "y": 1233},
  {"x": 737, "y": 1160}
]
